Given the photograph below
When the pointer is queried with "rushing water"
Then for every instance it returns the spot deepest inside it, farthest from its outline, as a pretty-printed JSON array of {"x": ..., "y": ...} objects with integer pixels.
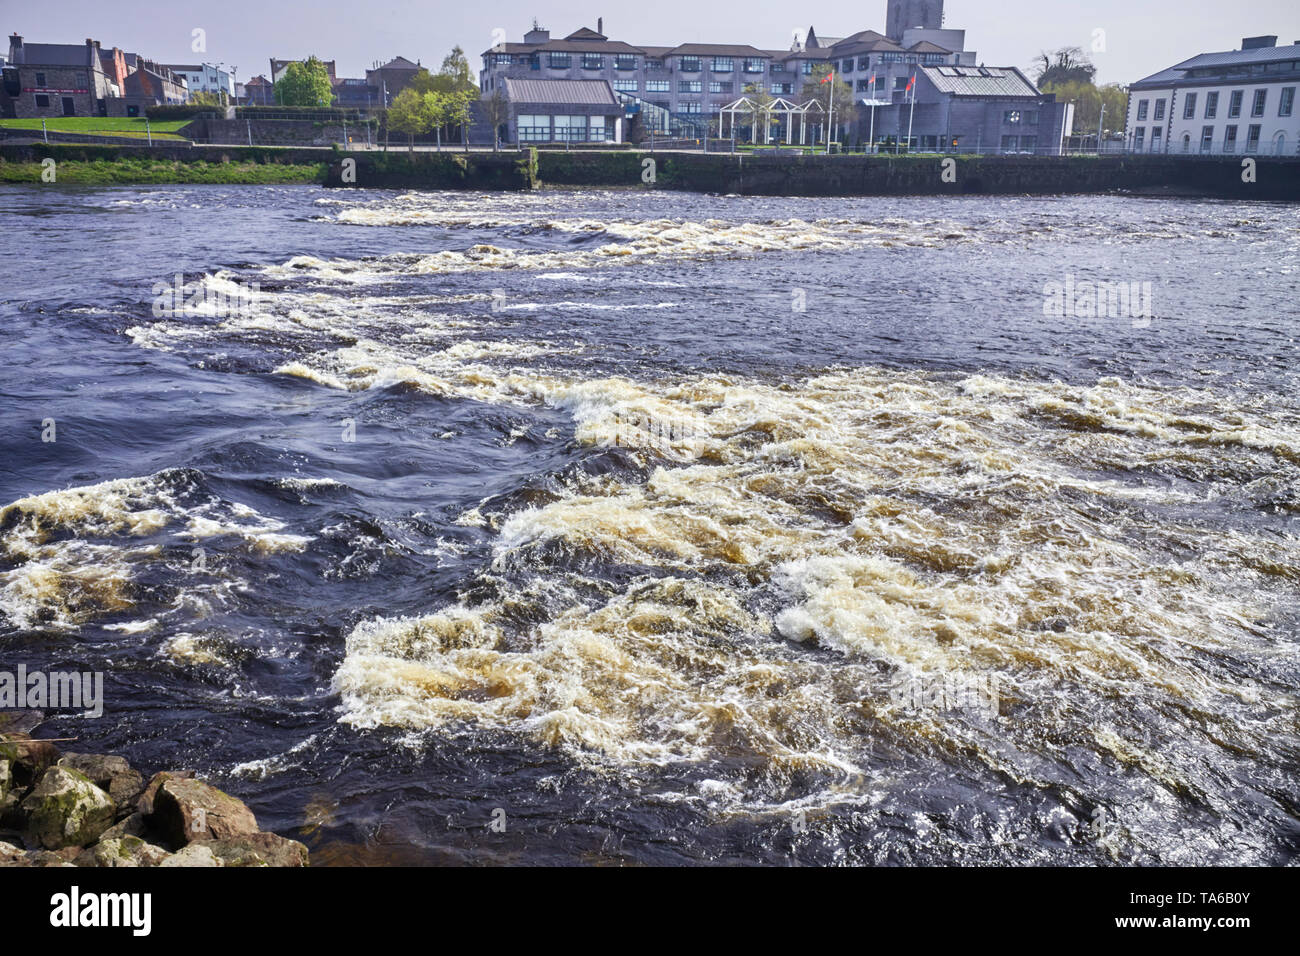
[{"x": 558, "y": 504}]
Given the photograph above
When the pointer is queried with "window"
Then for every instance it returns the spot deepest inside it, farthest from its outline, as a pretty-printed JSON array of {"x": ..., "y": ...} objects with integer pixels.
[
  {"x": 1252, "y": 138},
  {"x": 625, "y": 86},
  {"x": 559, "y": 61},
  {"x": 864, "y": 62},
  {"x": 1230, "y": 139},
  {"x": 778, "y": 67},
  {"x": 1156, "y": 131},
  {"x": 657, "y": 86},
  {"x": 1139, "y": 137},
  {"x": 690, "y": 108},
  {"x": 654, "y": 64},
  {"x": 1234, "y": 104},
  {"x": 718, "y": 86},
  {"x": 534, "y": 129},
  {"x": 781, "y": 89},
  {"x": 503, "y": 59},
  {"x": 1031, "y": 117},
  {"x": 864, "y": 86},
  {"x": 593, "y": 61},
  {"x": 1160, "y": 110},
  {"x": 723, "y": 64},
  {"x": 1011, "y": 117},
  {"x": 1287, "y": 103},
  {"x": 1009, "y": 143},
  {"x": 689, "y": 64},
  {"x": 570, "y": 129},
  {"x": 1211, "y": 105},
  {"x": 846, "y": 66},
  {"x": 806, "y": 67},
  {"x": 624, "y": 61},
  {"x": 598, "y": 129},
  {"x": 753, "y": 64},
  {"x": 1207, "y": 138},
  {"x": 40, "y": 79},
  {"x": 689, "y": 86},
  {"x": 534, "y": 63},
  {"x": 1257, "y": 108},
  {"x": 1143, "y": 110},
  {"x": 1189, "y": 106},
  {"x": 1029, "y": 143},
  {"x": 43, "y": 100}
]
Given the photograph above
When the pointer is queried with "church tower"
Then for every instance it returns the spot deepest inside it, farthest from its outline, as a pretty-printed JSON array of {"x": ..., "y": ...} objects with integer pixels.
[{"x": 906, "y": 14}]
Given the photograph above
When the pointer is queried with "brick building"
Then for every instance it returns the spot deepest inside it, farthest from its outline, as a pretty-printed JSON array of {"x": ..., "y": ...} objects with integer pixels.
[{"x": 54, "y": 79}]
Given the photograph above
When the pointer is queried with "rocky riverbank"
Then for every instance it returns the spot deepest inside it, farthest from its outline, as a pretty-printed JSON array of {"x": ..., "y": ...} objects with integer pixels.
[{"x": 76, "y": 809}]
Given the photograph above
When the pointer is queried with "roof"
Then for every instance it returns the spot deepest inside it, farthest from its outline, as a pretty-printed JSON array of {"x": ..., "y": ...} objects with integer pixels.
[
  {"x": 184, "y": 67},
  {"x": 54, "y": 54},
  {"x": 560, "y": 92},
  {"x": 400, "y": 63},
  {"x": 979, "y": 81},
  {"x": 657, "y": 51},
  {"x": 925, "y": 46},
  {"x": 1178, "y": 71},
  {"x": 583, "y": 33},
  {"x": 716, "y": 49}
]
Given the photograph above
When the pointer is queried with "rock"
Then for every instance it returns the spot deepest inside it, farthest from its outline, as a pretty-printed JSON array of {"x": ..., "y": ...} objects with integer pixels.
[
  {"x": 20, "y": 721},
  {"x": 65, "y": 809},
  {"x": 10, "y": 854},
  {"x": 45, "y": 858},
  {"x": 28, "y": 758},
  {"x": 145, "y": 803},
  {"x": 112, "y": 774},
  {"x": 257, "y": 849},
  {"x": 130, "y": 826},
  {"x": 196, "y": 854},
  {"x": 187, "y": 811},
  {"x": 6, "y": 777},
  {"x": 126, "y": 851}
]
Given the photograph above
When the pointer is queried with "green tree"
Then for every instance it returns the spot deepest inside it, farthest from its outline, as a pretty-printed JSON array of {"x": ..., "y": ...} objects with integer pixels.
[
  {"x": 409, "y": 114},
  {"x": 305, "y": 84},
  {"x": 815, "y": 89},
  {"x": 1088, "y": 100},
  {"x": 456, "y": 68}
]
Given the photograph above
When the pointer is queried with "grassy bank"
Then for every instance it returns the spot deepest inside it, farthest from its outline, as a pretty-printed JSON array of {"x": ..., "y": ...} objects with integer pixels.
[
  {"x": 130, "y": 127},
  {"x": 125, "y": 171}
]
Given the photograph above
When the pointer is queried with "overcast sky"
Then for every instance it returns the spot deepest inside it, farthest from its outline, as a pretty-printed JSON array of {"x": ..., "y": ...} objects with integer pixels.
[{"x": 1140, "y": 36}]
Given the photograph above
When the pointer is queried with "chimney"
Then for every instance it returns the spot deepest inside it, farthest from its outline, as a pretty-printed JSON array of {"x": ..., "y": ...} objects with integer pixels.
[
  {"x": 16, "y": 49},
  {"x": 600, "y": 25}
]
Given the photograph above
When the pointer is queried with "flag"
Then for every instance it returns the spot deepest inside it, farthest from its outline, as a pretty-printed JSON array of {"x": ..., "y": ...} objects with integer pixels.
[
  {"x": 910, "y": 83},
  {"x": 829, "y": 77}
]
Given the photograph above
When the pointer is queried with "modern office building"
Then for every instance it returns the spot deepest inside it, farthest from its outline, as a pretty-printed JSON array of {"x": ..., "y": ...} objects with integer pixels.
[
  {"x": 1236, "y": 102},
  {"x": 204, "y": 78}
]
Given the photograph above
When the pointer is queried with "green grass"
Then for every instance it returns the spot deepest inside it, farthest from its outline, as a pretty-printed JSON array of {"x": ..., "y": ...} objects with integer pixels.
[
  {"x": 163, "y": 172},
  {"x": 131, "y": 127}
]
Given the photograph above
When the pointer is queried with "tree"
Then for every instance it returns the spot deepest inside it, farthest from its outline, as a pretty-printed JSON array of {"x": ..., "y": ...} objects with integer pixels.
[
  {"x": 456, "y": 68},
  {"x": 497, "y": 110},
  {"x": 760, "y": 109},
  {"x": 305, "y": 83},
  {"x": 409, "y": 114},
  {"x": 206, "y": 98},
  {"x": 1067, "y": 65},
  {"x": 1088, "y": 100},
  {"x": 815, "y": 89}
]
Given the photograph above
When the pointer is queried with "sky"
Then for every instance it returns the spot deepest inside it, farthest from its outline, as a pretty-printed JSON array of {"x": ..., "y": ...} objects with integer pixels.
[{"x": 1132, "y": 38}]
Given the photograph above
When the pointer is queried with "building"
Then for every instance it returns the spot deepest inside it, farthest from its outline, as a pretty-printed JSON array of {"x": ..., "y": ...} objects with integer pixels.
[
  {"x": 1236, "y": 102},
  {"x": 54, "y": 79},
  {"x": 147, "y": 84},
  {"x": 256, "y": 92},
  {"x": 204, "y": 78},
  {"x": 682, "y": 90},
  {"x": 562, "y": 111},
  {"x": 391, "y": 78}
]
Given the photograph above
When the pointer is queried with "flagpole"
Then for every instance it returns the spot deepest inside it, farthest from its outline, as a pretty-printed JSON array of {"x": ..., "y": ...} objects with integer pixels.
[
  {"x": 830, "y": 117},
  {"x": 872, "y": 139},
  {"x": 911, "y": 114}
]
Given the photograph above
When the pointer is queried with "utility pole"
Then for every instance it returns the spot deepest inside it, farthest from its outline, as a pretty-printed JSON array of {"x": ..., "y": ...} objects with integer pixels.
[{"x": 1101, "y": 125}]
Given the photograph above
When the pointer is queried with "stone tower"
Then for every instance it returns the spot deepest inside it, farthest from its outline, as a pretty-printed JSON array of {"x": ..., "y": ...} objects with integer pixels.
[{"x": 906, "y": 14}]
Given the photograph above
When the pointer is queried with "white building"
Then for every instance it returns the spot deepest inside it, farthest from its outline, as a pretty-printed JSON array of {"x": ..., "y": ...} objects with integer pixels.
[
  {"x": 204, "y": 78},
  {"x": 1238, "y": 102}
]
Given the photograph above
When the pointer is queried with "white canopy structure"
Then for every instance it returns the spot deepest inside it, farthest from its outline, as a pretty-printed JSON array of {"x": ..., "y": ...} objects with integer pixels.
[{"x": 751, "y": 109}]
